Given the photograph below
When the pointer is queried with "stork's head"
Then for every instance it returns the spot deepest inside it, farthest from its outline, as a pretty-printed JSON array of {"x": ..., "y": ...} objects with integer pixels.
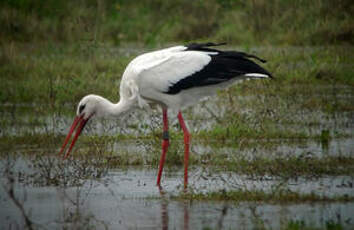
[{"x": 88, "y": 107}]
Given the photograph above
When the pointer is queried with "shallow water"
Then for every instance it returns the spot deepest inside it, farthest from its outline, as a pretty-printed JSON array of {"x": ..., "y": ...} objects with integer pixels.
[
  {"x": 129, "y": 199},
  {"x": 100, "y": 212}
]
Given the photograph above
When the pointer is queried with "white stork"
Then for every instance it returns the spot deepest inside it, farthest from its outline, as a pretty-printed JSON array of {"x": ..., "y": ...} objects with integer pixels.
[{"x": 173, "y": 78}]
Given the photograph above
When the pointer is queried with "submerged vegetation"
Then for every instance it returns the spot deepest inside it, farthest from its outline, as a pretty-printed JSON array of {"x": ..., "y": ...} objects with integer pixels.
[{"x": 278, "y": 196}]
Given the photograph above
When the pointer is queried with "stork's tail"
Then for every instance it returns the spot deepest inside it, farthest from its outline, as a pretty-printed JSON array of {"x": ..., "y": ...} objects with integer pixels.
[
  {"x": 258, "y": 75},
  {"x": 249, "y": 68}
]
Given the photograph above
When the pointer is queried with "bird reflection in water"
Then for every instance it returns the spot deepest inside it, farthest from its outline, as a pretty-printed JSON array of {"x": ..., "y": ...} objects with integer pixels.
[{"x": 164, "y": 211}]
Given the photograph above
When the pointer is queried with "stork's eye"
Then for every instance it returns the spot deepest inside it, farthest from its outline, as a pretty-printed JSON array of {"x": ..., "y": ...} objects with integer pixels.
[{"x": 81, "y": 108}]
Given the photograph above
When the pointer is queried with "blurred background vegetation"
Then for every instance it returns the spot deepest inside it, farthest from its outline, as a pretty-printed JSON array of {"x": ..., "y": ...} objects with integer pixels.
[
  {"x": 154, "y": 22},
  {"x": 55, "y": 52}
]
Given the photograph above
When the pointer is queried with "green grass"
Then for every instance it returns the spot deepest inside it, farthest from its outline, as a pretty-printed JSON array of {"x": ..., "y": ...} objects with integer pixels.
[
  {"x": 300, "y": 225},
  {"x": 50, "y": 54},
  {"x": 154, "y": 22},
  {"x": 259, "y": 196},
  {"x": 59, "y": 74}
]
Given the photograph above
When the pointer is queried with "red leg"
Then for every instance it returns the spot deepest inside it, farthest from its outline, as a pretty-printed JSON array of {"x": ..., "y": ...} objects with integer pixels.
[
  {"x": 186, "y": 148},
  {"x": 165, "y": 144}
]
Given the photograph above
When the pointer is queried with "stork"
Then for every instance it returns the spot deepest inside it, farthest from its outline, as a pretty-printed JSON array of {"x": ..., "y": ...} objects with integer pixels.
[{"x": 173, "y": 78}]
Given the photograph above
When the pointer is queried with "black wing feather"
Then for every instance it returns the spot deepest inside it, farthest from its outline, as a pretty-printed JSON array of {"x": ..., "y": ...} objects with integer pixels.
[{"x": 224, "y": 66}]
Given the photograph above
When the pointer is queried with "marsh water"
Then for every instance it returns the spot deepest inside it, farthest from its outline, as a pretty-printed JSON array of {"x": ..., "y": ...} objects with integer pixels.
[{"x": 127, "y": 198}]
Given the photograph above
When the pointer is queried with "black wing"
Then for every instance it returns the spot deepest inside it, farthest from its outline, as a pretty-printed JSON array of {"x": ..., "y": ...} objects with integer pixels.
[{"x": 224, "y": 66}]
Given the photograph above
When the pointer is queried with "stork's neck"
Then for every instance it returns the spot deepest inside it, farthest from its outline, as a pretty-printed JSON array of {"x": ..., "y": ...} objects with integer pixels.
[
  {"x": 115, "y": 110},
  {"x": 120, "y": 108}
]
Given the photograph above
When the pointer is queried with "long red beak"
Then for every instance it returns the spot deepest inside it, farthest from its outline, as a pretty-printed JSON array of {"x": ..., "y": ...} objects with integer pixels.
[{"x": 78, "y": 120}]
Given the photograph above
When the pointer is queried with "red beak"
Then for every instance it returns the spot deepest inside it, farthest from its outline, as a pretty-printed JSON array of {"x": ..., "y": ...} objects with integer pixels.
[{"x": 78, "y": 120}]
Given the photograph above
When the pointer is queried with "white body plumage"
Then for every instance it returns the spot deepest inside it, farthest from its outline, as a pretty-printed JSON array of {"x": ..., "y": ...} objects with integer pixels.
[{"x": 148, "y": 77}]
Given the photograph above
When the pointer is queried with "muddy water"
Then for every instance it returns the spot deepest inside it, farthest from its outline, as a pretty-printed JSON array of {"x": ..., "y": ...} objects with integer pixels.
[{"x": 129, "y": 199}]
